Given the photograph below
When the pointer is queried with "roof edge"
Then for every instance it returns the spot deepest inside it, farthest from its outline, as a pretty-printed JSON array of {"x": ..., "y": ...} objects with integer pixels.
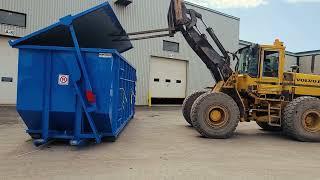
[
  {"x": 296, "y": 54},
  {"x": 211, "y": 10},
  {"x": 247, "y": 43},
  {"x": 308, "y": 53}
]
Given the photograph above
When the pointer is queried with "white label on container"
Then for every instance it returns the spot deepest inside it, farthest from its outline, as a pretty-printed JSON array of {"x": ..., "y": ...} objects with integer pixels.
[
  {"x": 63, "y": 80},
  {"x": 105, "y": 55}
]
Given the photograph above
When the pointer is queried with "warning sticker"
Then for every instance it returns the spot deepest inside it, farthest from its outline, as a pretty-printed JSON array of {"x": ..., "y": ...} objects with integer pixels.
[{"x": 63, "y": 80}]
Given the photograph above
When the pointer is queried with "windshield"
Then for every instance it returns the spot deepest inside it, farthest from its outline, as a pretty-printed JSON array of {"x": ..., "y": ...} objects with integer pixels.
[{"x": 248, "y": 61}]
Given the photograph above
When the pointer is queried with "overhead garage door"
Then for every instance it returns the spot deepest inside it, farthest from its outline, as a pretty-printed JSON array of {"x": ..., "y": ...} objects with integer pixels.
[
  {"x": 168, "y": 78},
  {"x": 8, "y": 72}
]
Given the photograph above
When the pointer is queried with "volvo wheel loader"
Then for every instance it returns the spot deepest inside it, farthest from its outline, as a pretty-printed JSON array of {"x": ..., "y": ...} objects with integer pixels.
[{"x": 257, "y": 90}]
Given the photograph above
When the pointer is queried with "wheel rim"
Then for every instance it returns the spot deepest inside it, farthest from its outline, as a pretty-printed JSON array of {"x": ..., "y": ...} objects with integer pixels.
[
  {"x": 311, "y": 121},
  {"x": 217, "y": 116}
]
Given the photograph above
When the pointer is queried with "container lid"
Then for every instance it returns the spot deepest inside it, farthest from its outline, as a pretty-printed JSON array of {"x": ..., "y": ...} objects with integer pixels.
[{"x": 97, "y": 27}]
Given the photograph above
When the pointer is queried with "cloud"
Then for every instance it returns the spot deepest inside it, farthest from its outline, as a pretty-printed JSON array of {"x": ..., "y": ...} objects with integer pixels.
[
  {"x": 303, "y": 1},
  {"x": 223, "y": 4}
]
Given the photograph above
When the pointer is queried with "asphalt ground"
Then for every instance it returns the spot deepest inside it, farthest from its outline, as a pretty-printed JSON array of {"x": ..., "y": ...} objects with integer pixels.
[{"x": 158, "y": 144}]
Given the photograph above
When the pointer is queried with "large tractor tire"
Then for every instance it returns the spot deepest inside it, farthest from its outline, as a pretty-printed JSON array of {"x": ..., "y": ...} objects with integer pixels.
[
  {"x": 301, "y": 119},
  {"x": 187, "y": 105},
  {"x": 266, "y": 127},
  {"x": 215, "y": 115}
]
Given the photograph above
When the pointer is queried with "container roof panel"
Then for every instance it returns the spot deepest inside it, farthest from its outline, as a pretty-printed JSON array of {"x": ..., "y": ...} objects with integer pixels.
[{"x": 95, "y": 28}]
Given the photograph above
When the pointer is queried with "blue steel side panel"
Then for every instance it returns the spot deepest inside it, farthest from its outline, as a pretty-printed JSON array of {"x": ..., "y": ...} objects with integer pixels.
[
  {"x": 126, "y": 93},
  {"x": 94, "y": 50},
  {"x": 63, "y": 99},
  {"x": 113, "y": 81},
  {"x": 116, "y": 111},
  {"x": 31, "y": 78},
  {"x": 99, "y": 70}
]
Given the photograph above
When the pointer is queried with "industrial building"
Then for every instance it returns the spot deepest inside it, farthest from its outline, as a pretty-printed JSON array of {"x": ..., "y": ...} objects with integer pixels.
[{"x": 166, "y": 67}]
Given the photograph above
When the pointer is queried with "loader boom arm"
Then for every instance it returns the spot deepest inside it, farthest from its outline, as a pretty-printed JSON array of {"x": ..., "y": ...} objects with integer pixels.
[
  {"x": 185, "y": 20},
  {"x": 181, "y": 19}
]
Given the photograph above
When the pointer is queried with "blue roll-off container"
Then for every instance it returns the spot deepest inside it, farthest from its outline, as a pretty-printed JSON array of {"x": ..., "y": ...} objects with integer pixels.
[{"x": 72, "y": 82}]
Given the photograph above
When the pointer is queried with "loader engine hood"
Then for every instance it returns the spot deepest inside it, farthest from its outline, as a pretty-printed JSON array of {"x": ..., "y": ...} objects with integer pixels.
[{"x": 307, "y": 80}]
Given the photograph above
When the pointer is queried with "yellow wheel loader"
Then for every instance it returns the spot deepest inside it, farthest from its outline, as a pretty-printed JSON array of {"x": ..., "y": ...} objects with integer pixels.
[{"x": 257, "y": 90}]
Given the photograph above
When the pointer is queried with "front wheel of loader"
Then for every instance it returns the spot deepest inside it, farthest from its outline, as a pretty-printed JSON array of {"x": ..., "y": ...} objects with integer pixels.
[
  {"x": 187, "y": 105},
  {"x": 301, "y": 119},
  {"x": 215, "y": 115},
  {"x": 266, "y": 127}
]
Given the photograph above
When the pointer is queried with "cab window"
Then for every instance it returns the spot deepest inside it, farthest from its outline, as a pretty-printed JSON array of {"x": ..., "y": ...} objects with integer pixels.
[
  {"x": 248, "y": 61},
  {"x": 271, "y": 64}
]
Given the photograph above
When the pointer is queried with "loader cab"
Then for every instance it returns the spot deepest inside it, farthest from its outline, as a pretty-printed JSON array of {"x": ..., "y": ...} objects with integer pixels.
[
  {"x": 261, "y": 68},
  {"x": 272, "y": 60}
]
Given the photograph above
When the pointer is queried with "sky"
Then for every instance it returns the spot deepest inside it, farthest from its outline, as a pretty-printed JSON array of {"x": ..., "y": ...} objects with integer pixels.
[{"x": 295, "y": 22}]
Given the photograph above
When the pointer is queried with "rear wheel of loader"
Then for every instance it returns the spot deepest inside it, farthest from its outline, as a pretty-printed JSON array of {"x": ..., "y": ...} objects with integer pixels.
[
  {"x": 187, "y": 105},
  {"x": 215, "y": 115},
  {"x": 301, "y": 119},
  {"x": 266, "y": 127}
]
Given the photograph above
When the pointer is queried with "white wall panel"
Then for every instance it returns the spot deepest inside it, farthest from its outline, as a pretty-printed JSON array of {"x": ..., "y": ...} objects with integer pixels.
[
  {"x": 305, "y": 64},
  {"x": 138, "y": 16},
  {"x": 8, "y": 68},
  {"x": 290, "y": 60}
]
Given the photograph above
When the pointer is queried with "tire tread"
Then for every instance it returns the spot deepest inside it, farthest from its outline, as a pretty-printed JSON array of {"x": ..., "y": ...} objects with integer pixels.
[
  {"x": 195, "y": 110},
  {"x": 288, "y": 118},
  {"x": 187, "y": 104}
]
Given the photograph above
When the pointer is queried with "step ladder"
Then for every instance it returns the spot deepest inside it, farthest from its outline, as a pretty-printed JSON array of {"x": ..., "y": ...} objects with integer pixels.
[
  {"x": 272, "y": 117},
  {"x": 272, "y": 108}
]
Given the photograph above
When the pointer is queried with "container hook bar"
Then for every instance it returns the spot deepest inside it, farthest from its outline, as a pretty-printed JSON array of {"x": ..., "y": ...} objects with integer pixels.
[{"x": 169, "y": 30}]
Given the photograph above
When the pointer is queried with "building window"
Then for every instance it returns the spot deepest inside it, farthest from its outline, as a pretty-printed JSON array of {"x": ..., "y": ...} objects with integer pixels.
[
  {"x": 13, "y": 18},
  {"x": 6, "y": 79},
  {"x": 123, "y": 2},
  {"x": 170, "y": 46}
]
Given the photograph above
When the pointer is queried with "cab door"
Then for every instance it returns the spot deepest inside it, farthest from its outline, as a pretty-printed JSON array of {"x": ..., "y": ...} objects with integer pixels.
[{"x": 270, "y": 71}]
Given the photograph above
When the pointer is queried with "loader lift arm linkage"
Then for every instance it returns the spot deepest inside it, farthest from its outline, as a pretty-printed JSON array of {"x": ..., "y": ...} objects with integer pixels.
[{"x": 181, "y": 19}]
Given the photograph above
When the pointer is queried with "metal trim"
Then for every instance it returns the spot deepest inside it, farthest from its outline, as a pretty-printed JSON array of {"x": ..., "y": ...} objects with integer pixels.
[{"x": 211, "y": 10}]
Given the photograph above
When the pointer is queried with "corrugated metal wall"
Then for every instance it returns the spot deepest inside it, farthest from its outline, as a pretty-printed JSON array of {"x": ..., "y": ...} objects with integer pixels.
[
  {"x": 41, "y": 13},
  {"x": 317, "y": 65},
  {"x": 140, "y": 15},
  {"x": 305, "y": 64},
  {"x": 290, "y": 60}
]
